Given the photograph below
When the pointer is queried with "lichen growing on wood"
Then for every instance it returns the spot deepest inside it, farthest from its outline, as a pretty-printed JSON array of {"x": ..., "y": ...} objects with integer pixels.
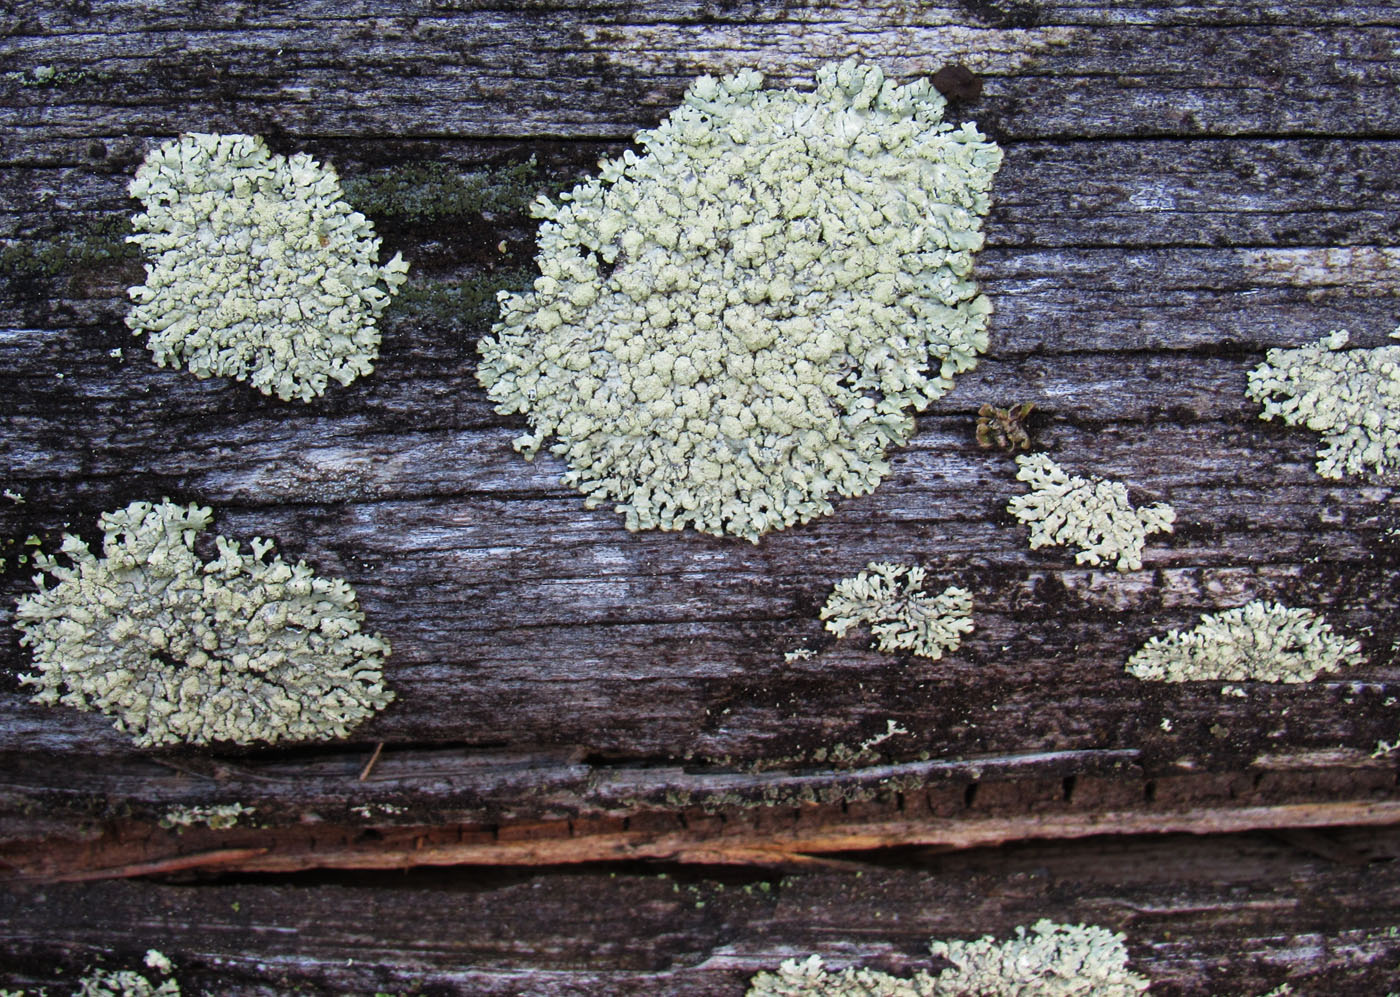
[
  {"x": 1054, "y": 960},
  {"x": 259, "y": 270},
  {"x": 241, "y": 648},
  {"x": 218, "y": 816},
  {"x": 1351, "y": 397},
  {"x": 1259, "y": 642},
  {"x": 891, "y": 600},
  {"x": 736, "y": 325},
  {"x": 120, "y": 982},
  {"x": 1092, "y": 514},
  {"x": 123, "y": 983}
]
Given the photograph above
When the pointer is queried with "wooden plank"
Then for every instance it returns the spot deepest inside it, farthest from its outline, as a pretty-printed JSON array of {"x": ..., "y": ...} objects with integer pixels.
[
  {"x": 1185, "y": 186},
  {"x": 1220, "y": 914},
  {"x": 557, "y": 70}
]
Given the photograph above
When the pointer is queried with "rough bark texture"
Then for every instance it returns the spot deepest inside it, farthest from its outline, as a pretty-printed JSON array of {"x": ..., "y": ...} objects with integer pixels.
[{"x": 1185, "y": 186}]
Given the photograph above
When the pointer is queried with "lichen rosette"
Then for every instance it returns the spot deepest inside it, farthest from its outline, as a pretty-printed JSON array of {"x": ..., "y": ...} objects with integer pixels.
[
  {"x": 738, "y": 323},
  {"x": 259, "y": 269},
  {"x": 241, "y": 648},
  {"x": 1350, "y": 396}
]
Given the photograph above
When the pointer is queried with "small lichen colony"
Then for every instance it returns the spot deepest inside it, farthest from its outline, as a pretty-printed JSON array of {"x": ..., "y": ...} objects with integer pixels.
[
  {"x": 902, "y": 617},
  {"x": 1260, "y": 641},
  {"x": 1055, "y": 960},
  {"x": 1092, "y": 514},
  {"x": 241, "y": 648},
  {"x": 216, "y": 816},
  {"x": 1352, "y": 397},
  {"x": 100, "y": 982},
  {"x": 734, "y": 326},
  {"x": 259, "y": 269}
]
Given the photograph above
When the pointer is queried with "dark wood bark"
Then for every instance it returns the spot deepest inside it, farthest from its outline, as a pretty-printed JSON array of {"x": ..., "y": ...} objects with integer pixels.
[
  {"x": 1185, "y": 186},
  {"x": 1238, "y": 914}
]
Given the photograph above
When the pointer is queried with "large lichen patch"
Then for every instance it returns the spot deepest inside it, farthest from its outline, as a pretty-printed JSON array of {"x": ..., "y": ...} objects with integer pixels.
[
  {"x": 1053, "y": 960},
  {"x": 241, "y": 648},
  {"x": 1260, "y": 642},
  {"x": 259, "y": 269},
  {"x": 737, "y": 324},
  {"x": 1351, "y": 397}
]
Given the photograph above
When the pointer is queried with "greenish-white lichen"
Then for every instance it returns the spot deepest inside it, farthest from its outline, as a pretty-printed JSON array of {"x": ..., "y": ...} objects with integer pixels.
[
  {"x": 890, "y": 598},
  {"x": 736, "y": 325},
  {"x": 1352, "y": 397},
  {"x": 123, "y": 983},
  {"x": 241, "y": 648},
  {"x": 259, "y": 269},
  {"x": 1053, "y": 960},
  {"x": 120, "y": 983},
  {"x": 217, "y": 816},
  {"x": 1092, "y": 514},
  {"x": 1258, "y": 642}
]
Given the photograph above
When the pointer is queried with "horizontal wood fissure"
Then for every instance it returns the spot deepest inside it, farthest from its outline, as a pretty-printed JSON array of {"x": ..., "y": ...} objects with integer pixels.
[
  {"x": 478, "y": 807},
  {"x": 1236, "y": 913},
  {"x": 772, "y": 830}
]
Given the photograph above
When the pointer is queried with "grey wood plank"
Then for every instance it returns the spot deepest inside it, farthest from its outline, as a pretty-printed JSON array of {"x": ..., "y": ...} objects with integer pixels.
[{"x": 1225, "y": 914}]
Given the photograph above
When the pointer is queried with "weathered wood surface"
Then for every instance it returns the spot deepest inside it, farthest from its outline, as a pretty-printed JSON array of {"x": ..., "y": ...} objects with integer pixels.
[
  {"x": 1184, "y": 187},
  {"x": 1231, "y": 915}
]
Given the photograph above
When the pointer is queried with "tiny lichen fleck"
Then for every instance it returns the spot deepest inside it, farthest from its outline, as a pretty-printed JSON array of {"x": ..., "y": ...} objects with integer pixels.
[
  {"x": 242, "y": 648},
  {"x": 736, "y": 325},
  {"x": 1352, "y": 397},
  {"x": 260, "y": 270},
  {"x": 1257, "y": 642},
  {"x": 902, "y": 617},
  {"x": 1054, "y": 960},
  {"x": 1092, "y": 514},
  {"x": 216, "y": 816}
]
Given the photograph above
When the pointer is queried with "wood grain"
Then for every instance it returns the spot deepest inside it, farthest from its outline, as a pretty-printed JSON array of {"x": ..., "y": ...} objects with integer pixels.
[
  {"x": 1237, "y": 914},
  {"x": 1185, "y": 187}
]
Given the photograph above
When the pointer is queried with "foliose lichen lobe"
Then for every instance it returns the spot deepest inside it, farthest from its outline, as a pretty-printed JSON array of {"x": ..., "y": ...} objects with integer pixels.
[
  {"x": 241, "y": 648},
  {"x": 1260, "y": 641},
  {"x": 258, "y": 268},
  {"x": 735, "y": 325},
  {"x": 1351, "y": 397},
  {"x": 1093, "y": 514},
  {"x": 1054, "y": 960},
  {"x": 891, "y": 600}
]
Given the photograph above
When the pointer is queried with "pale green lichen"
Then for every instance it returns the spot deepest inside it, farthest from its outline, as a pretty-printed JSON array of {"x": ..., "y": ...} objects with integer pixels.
[
  {"x": 47, "y": 76},
  {"x": 1092, "y": 514},
  {"x": 123, "y": 983},
  {"x": 734, "y": 326},
  {"x": 1257, "y": 642},
  {"x": 241, "y": 648},
  {"x": 1054, "y": 960},
  {"x": 890, "y": 598},
  {"x": 259, "y": 268},
  {"x": 1352, "y": 397},
  {"x": 120, "y": 983},
  {"x": 217, "y": 816}
]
